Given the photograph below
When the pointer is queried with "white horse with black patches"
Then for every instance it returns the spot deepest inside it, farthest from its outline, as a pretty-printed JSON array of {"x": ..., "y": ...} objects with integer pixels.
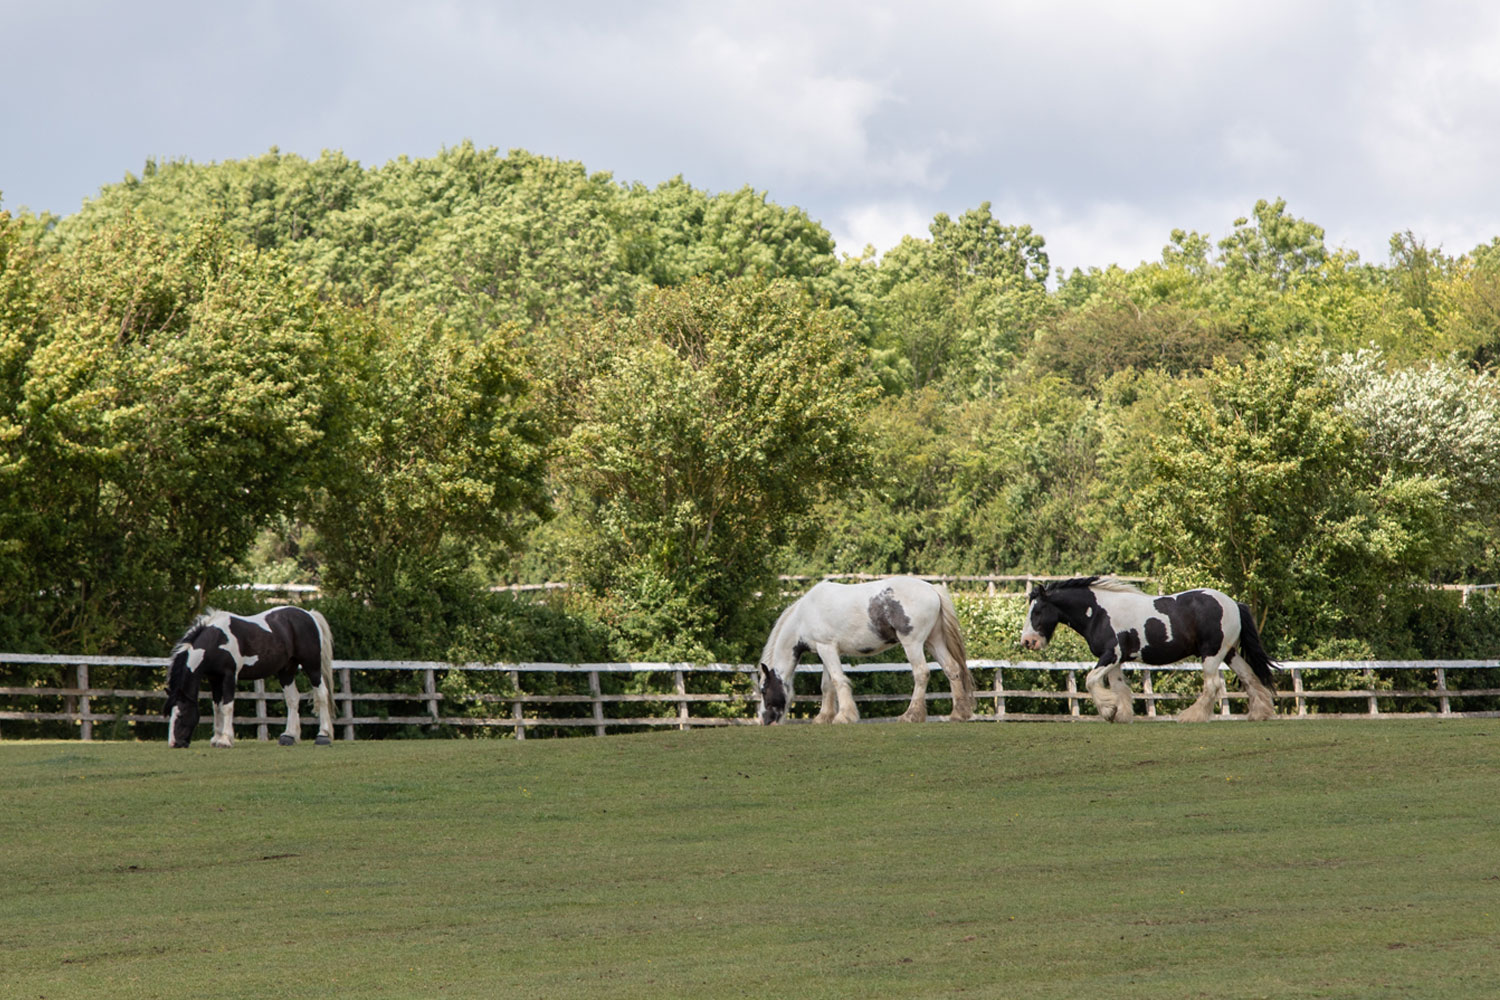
[
  {"x": 834, "y": 620},
  {"x": 1121, "y": 624},
  {"x": 222, "y": 648}
]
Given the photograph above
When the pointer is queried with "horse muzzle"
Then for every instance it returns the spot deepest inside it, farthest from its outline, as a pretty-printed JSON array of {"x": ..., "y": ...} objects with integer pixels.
[{"x": 1033, "y": 642}]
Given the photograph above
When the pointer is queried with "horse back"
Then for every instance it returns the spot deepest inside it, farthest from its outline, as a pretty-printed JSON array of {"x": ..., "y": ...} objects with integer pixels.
[
  {"x": 865, "y": 618},
  {"x": 1197, "y": 623},
  {"x": 278, "y": 642}
]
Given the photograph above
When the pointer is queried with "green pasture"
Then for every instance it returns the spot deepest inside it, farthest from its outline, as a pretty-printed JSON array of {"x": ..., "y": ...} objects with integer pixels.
[{"x": 1288, "y": 859}]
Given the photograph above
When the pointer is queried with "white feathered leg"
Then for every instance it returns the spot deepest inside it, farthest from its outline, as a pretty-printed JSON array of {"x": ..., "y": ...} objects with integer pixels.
[
  {"x": 1124, "y": 697},
  {"x": 1099, "y": 692},
  {"x": 843, "y": 690},
  {"x": 293, "y": 729},
  {"x": 223, "y": 724},
  {"x": 920, "y": 671},
  {"x": 1213, "y": 690}
]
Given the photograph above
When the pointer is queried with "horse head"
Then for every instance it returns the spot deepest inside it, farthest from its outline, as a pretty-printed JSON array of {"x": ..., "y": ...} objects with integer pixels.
[
  {"x": 181, "y": 708},
  {"x": 772, "y": 691},
  {"x": 1042, "y": 617}
]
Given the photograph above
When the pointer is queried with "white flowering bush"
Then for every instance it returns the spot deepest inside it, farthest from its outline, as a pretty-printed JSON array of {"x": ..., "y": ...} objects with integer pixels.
[{"x": 1442, "y": 420}]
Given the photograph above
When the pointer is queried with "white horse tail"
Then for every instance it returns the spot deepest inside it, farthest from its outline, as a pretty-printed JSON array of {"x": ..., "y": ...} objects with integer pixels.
[
  {"x": 325, "y": 656},
  {"x": 958, "y": 671}
]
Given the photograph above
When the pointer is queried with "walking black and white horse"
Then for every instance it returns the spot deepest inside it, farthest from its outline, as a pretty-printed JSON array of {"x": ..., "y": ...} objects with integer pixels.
[
  {"x": 1122, "y": 624},
  {"x": 221, "y": 649},
  {"x": 835, "y": 620}
]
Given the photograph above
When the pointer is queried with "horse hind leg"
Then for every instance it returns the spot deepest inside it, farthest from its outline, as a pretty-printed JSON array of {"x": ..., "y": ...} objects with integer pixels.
[
  {"x": 1262, "y": 704},
  {"x": 1213, "y": 690},
  {"x": 293, "y": 716},
  {"x": 960, "y": 681},
  {"x": 323, "y": 701}
]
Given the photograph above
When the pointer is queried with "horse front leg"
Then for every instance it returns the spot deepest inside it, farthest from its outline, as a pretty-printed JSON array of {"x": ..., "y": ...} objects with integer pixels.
[
  {"x": 1099, "y": 689},
  {"x": 843, "y": 691},
  {"x": 223, "y": 695},
  {"x": 293, "y": 717},
  {"x": 830, "y": 700},
  {"x": 1123, "y": 695},
  {"x": 920, "y": 671},
  {"x": 1213, "y": 690}
]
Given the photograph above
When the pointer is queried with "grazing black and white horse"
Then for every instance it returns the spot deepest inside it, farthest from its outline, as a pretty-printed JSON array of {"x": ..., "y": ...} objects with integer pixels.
[
  {"x": 1121, "y": 623},
  {"x": 222, "y": 648},
  {"x": 861, "y": 619}
]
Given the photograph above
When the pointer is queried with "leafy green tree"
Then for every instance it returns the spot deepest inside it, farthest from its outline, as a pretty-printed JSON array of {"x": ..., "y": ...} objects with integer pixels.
[
  {"x": 1273, "y": 250},
  {"x": 1113, "y": 333},
  {"x": 1468, "y": 310},
  {"x": 163, "y": 400},
  {"x": 1262, "y": 485},
  {"x": 441, "y": 456},
  {"x": 277, "y": 200},
  {"x": 683, "y": 233},
  {"x": 524, "y": 240},
  {"x": 723, "y": 413},
  {"x": 963, "y": 304}
]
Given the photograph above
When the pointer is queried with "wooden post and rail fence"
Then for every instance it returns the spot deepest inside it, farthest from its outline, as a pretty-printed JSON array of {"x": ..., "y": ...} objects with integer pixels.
[{"x": 659, "y": 694}]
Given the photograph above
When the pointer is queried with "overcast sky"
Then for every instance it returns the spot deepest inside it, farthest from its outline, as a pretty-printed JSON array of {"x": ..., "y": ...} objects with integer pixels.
[{"x": 1103, "y": 125}]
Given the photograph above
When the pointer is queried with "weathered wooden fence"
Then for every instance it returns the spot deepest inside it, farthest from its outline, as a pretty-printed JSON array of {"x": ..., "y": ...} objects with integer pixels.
[{"x": 1384, "y": 689}]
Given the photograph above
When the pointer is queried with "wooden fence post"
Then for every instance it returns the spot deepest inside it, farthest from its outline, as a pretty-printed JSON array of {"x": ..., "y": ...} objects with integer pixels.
[
  {"x": 1300, "y": 701},
  {"x": 347, "y": 683},
  {"x": 87, "y": 727},
  {"x": 598, "y": 695},
  {"x": 515, "y": 707},
  {"x": 1072, "y": 689},
  {"x": 682, "y": 705},
  {"x": 1147, "y": 690},
  {"x": 1370, "y": 680},
  {"x": 429, "y": 686},
  {"x": 999, "y": 691},
  {"x": 1442, "y": 690}
]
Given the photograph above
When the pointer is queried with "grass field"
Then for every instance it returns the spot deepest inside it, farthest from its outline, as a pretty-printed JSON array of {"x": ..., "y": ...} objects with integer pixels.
[{"x": 1290, "y": 859}]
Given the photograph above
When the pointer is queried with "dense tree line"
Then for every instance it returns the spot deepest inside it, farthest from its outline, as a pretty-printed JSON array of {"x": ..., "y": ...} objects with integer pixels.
[{"x": 409, "y": 381}]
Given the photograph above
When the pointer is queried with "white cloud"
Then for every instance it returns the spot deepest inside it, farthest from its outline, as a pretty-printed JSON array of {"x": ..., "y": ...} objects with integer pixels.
[
  {"x": 1432, "y": 118},
  {"x": 1102, "y": 125},
  {"x": 880, "y": 225}
]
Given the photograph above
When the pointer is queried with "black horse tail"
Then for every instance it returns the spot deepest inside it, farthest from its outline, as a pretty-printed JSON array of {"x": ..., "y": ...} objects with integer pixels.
[{"x": 1253, "y": 651}]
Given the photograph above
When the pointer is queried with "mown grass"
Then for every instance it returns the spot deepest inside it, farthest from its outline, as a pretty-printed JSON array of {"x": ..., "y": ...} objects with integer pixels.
[{"x": 1290, "y": 859}]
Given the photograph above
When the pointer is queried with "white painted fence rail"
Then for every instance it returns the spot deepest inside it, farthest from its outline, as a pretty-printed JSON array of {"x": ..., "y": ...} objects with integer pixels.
[{"x": 1377, "y": 688}]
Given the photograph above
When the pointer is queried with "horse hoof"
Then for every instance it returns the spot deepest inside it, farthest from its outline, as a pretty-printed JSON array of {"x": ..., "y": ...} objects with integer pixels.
[
  {"x": 323, "y": 741},
  {"x": 287, "y": 740}
]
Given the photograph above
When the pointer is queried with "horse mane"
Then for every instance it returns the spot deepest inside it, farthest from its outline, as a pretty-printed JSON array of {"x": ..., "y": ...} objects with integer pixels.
[
  {"x": 781, "y": 619},
  {"x": 1116, "y": 585},
  {"x": 1108, "y": 583},
  {"x": 196, "y": 629}
]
